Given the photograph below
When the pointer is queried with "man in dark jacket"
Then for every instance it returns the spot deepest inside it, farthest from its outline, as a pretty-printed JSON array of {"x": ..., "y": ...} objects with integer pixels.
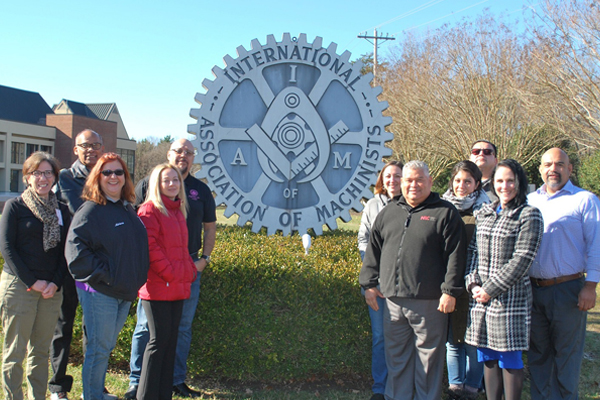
[
  {"x": 88, "y": 149},
  {"x": 417, "y": 253}
]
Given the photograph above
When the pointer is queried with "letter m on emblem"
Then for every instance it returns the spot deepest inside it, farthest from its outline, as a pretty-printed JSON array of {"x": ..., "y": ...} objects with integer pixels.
[{"x": 340, "y": 161}]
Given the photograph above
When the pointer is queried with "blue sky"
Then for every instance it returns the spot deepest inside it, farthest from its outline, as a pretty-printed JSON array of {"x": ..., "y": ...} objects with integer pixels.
[{"x": 150, "y": 57}]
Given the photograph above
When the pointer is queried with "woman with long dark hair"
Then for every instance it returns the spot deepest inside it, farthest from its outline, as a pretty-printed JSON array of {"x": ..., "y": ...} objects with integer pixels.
[
  {"x": 465, "y": 372},
  {"x": 508, "y": 235}
]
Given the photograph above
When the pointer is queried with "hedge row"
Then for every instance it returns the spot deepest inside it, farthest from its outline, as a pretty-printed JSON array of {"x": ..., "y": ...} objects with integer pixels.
[{"x": 267, "y": 312}]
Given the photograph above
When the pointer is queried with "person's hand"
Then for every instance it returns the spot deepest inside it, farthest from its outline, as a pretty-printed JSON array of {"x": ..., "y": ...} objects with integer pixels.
[
  {"x": 480, "y": 295},
  {"x": 39, "y": 286},
  {"x": 371, "y": 296},
  {"x": 447, "y": 304},
  {"x": 200, "y": 264},
  {"x": 587, "y": 296},
  {"x": 50, "y": 290}
]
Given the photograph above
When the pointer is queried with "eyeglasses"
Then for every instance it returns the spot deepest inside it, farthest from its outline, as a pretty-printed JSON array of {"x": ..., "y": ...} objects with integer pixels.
[
  {"x": 487, "y": 152},
  {"x": 183, "y": 151},
  {"x": 93, "y": 146},
  {"x": 109, "y": 172},
  {"x": 48, "y": 173}
]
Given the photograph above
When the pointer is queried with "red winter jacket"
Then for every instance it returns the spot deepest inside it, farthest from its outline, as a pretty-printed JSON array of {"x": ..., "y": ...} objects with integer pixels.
[{"x": 172, "y": 270}]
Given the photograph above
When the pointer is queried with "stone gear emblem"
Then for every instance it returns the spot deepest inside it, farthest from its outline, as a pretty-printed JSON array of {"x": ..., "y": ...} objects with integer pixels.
[{"x": 290, "y": 135}]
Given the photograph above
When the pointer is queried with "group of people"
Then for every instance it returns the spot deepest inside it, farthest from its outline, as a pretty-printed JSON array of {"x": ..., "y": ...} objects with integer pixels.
[
  {"x": 85, "y": 235},
  {"x": 482, "y": 273}
]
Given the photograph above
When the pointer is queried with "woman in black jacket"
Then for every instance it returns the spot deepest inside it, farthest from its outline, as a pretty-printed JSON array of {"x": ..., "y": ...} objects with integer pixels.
[
  {"x": 107, "y": 253},
  {"x": 33, "y": 229}
]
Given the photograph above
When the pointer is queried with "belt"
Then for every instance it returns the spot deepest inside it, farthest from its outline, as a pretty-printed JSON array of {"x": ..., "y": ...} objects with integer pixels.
[{"x": 555, "y": 281}]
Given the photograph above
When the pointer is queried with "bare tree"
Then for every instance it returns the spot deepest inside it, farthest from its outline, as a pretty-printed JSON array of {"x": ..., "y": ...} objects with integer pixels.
[
  {"x": 460, "y": 84},
  {"x": 568, "y": 62}
]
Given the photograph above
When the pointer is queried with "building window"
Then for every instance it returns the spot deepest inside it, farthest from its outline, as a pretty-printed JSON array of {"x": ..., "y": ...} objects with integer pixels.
[
  {"x": 17, "y": 153},
  {"x": 32, "y": 148},
  {"x": 47, "y": 149},
  {"x": 129, "y": 157},
  {"x": 15, "y": 179}
]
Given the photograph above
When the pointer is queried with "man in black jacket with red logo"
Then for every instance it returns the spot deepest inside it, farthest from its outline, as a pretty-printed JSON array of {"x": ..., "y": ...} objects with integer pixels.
[{"x": 417, "y": 253}]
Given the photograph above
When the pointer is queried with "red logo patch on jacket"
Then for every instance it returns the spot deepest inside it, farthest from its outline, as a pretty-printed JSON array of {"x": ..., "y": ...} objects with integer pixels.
[{"x": 425, "y": 218}]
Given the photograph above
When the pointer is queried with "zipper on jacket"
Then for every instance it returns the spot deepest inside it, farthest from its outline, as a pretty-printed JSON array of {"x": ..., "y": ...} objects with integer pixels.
[{"x": 406, "y": 224}]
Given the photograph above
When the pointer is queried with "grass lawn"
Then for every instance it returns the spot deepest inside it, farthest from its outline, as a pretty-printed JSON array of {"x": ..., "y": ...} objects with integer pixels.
[{"x": 589, "y": 386}]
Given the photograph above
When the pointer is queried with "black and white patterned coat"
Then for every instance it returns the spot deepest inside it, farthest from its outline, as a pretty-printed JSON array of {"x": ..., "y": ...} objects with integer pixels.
[{"x": 500, "y": 254}]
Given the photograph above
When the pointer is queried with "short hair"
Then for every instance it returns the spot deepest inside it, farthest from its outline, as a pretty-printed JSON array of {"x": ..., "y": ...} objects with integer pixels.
[
  {"x": 469, "y": 167},
  {"x": 379, "y": 189},
  {"x": 92, "y": 190},
  {"x": 89, "y": 130},
  {"x": 33, "y": 162},
  {"x": 520, "y": 182},
  {"x": 488, "y": 142},
  {"x": 416, "y": 164},
  {"x": 154, "y": 196}
]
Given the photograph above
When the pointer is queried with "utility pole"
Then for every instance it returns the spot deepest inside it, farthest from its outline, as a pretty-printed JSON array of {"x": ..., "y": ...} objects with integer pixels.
[{"x": 375, "y": 45}]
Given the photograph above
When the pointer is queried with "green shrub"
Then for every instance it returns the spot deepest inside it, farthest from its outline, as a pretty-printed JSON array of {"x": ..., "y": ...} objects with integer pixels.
[
  {"x": 267, "y": 312},
  {"x": 589, "y": 173}
]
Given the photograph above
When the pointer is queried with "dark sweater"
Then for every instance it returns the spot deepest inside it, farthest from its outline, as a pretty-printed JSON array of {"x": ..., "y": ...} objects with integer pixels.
[
  {"x": 21, "y": 243},
  {"x": 416, "y": 252},
  {"x": 107, "y": 248}
]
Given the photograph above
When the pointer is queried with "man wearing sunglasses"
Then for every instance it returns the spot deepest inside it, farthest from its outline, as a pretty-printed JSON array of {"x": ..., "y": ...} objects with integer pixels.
[
  {"x": 88, "y": 149},
  {"x": 201, "y": 218},
  {"x": 484, "y": 154}
]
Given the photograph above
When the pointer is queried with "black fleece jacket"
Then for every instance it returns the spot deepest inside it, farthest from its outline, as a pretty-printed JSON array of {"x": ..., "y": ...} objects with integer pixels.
[
  {"x": 416, "y": 252},
  {"x": 107, "y": 248}
]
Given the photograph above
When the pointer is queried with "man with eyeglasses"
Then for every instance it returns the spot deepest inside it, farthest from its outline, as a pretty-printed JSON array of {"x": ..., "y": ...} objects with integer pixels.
[
  {"x": 201, "y": 218},
  {"x": 88, "y": 149},
  {"x": 484, "y": 154}
]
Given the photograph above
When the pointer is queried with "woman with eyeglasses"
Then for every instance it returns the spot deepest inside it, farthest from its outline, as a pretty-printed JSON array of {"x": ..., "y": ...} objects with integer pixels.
[
  {"x": 33, "y": 230},
  {"x": 107, "y": 254},
  {"x": 170, "y": 277}
]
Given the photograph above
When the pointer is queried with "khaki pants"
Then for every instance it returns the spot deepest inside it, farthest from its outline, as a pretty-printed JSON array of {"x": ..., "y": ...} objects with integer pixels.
[{"x": 28, "y": 322}]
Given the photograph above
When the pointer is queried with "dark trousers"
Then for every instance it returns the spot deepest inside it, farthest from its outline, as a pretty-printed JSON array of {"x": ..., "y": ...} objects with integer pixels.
[
  {"x": 156, "y": 381},
  {"x": 61, "y": 341},
  {"x": 557, "y": 339}
]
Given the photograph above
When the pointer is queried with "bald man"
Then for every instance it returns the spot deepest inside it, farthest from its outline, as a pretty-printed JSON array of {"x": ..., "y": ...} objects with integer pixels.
[
  {"x": 201, "y": 218},
  {"x": 564, "y": 276}
]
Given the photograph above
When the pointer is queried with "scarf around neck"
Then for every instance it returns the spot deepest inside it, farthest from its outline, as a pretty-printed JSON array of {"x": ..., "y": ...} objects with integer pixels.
[{"x": 45, "y": 211}]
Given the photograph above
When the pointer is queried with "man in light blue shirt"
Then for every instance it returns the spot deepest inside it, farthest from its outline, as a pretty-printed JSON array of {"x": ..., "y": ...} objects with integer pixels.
[{"x": 564, "y": 276}]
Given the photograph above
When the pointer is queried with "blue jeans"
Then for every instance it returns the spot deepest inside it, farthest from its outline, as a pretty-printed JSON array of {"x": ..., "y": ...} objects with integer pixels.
[
  {"x": 141, "y": 336},
  {"x": 463, "y": 367},
  {"x": 104, "y": 319},
  {"x": 378, "y": 366}
]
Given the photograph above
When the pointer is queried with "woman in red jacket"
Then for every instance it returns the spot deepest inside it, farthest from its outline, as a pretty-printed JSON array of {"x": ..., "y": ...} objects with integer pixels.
[{"x": 171, "y": 273}]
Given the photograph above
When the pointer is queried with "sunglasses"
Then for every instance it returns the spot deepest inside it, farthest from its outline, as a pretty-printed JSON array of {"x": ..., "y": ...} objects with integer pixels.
[
  {"x": 181, "y": 151},
  {"x": 487, "y": 152},
  {"x": 93, "y": 146},
  {"x": 109, "y": 172}
]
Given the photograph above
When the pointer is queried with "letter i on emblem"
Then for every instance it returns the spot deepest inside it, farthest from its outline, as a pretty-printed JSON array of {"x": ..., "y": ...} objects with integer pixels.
[{"x": 293, "y": 73}]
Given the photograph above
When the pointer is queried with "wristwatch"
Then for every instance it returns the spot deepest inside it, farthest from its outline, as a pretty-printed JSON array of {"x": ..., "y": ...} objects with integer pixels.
[{"x": 205, "y": 257}]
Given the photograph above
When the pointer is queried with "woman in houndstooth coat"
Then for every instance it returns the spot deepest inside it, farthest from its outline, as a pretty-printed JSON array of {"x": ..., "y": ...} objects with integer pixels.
[{"x": 507, "y": 238}]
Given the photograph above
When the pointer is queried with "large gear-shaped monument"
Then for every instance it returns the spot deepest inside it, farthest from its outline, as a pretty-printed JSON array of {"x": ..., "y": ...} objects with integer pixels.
[{"x": 290, "y": 135}]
